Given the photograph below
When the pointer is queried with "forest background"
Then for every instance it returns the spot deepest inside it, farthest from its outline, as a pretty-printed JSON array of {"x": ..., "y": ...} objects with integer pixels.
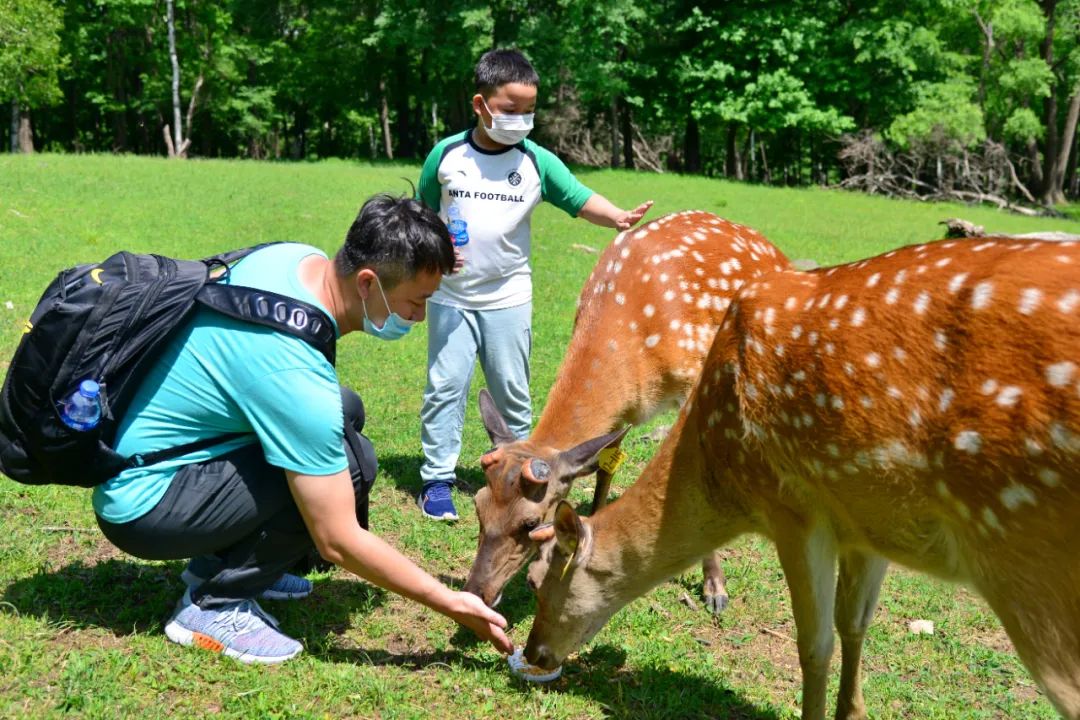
[{"x": 976, "y": 100}]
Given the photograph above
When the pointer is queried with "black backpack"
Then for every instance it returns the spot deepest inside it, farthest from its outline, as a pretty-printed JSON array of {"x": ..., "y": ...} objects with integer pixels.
[{"x": 106, "y": 322}]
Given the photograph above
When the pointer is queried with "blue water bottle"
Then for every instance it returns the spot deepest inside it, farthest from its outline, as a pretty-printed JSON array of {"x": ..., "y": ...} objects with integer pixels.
[
  {"x": 81, "y": 410},
  {"x": 455, "y": 223}
]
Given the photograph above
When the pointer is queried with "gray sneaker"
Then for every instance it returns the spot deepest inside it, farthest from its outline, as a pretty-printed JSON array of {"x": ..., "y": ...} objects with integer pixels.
[{"x": 241, "y": 630}]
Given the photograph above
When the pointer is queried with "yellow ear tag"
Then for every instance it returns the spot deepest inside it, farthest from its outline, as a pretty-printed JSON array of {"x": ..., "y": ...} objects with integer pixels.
[
  {"x": 569, "y": 562},
  {"x": 611, "y": 458}
]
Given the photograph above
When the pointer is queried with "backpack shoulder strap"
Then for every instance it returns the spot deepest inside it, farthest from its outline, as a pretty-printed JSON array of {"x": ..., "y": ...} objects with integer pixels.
[{"x": 279, "y": 312}]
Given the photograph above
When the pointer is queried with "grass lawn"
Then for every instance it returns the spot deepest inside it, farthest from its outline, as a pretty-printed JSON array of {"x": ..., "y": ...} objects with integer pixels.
[{"x": 81, "y": 623}]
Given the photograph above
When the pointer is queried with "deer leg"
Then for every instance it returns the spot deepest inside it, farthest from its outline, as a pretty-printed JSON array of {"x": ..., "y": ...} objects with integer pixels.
[
  {"x": 857, "y": 586},
  {"x": 603, "y": 484},
  {"x": 715, "y": 585},
  {"x": 808, "y": 557}
]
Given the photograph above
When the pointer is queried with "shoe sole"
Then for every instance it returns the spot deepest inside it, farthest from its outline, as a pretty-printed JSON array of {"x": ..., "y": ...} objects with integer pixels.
[
  {"x": 445, "y": 517},
  {"x": 189, "y": 638},
  {"x": 192, "y": 581}
]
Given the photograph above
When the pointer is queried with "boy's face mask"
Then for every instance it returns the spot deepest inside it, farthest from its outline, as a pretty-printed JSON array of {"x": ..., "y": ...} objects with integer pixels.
[
  {"x": 395, "y": 327},
  {"x": 508, "y": 129}
]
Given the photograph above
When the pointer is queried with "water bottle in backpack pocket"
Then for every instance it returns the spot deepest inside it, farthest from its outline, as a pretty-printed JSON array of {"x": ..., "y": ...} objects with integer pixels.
[{"x": 81, "y": 409}]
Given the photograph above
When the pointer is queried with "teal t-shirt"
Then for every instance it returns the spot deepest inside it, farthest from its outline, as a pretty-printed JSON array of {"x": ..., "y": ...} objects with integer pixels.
[{"x": 220, "y": 375}]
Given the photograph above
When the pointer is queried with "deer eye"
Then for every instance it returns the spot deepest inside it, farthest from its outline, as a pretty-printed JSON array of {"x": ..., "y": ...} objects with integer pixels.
[{"x": 530, "y": 524}]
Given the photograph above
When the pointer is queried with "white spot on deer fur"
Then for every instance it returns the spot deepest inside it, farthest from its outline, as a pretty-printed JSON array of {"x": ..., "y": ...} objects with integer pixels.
[
  {"x": 1060, "y": 374},
  {"x": 619, "y": 238},
  {"x": 625, "y": 252},
  {"x": 1069, "y": 301},
  {"x": 866, "y": 401},
  {"x": 1008, "y": 396},
  {"x": 796, "y": 331},
  {"x": 946, "y": 399},
  {"x": 837, "y": 402},
  {"x": 654, "y": 226},
  {"x": 873, "y": 280},
  {"x": 674, "y": 325},
  {"x": 735, "y": 264},
  {"x": 969, "y": 441},
  {"x": 1033, "y": 447},
  {"x": 1029, "y": 300},
  {"x": 894, "y": 392},
  {"x": 840, "y": 302},
  {"x": 989, "y": 387},
  {"x": 829, "y": 348},
  {"x": 892, "y": 296},
  {"x": 652, "y": 340},
  {"x": 790, "y": 303},
  {"x": 633, "y": 324},
  {"x": 900, "y": 277},
  {"x": 899, "y": 354},
  {"x": 798, "y": 375},
  {"x": 873, "y": 360},
  {"x": 980, "y": 298},
  {"x": 1015, "y": 495},
  {"x": 957, "y": 282},
  {"x": 824, "y": 300},
  {"x": 1063, "y": 438},
  {"x": 611, "y": 286},
  {"x": 669, "y": 295},
  {"x": 991, "y": 520},
  {"x": 663, "y": 277},
  {"x": 640, "y": 234},
  {"x": 1063, "y": 259},
  {"x": 943, "y": 262},
  {"x": 770, "y": 315},
  {"x": 812, "y": 338},
  {"x": 849, "y": 369},
  {"x": 858, "y": 317},
  {"x": 834, "y": 324},
  {"x": 620, "y": 299},
  {"x": 922, "y": 302},
  {"x": 940, "y": 341},
  {"x": 648, "y": 310},
  {"x": 1048, "y": 477},
  {"x": 612, "y": 345},
  {"x": 983, "y": 246}
]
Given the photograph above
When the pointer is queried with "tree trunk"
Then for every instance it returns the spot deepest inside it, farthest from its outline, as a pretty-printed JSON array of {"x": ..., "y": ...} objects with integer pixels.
[
  {"x": 732, "y": 166},
  {"x": 384, "y": 120},
  {"x": 177, "y": 148},
  {"x": 1055, "y": 179},
  {"x": 25, "y": 134},
  {"x": 14, "y": 145},
  {"x": 1052, "y": 143},
  {"x": 692, "y": 146},
  {"x": 614, "y": 133},
  {"x": 627, "y": 136}
]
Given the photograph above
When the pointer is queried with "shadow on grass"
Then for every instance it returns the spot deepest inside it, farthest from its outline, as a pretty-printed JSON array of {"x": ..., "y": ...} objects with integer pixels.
[
  {"x": 403, "y": 473},
  {"x": 126, "y": 597}
]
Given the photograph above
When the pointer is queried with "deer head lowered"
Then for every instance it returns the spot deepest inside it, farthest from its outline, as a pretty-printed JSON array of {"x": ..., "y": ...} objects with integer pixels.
[
  {"x": 921, "y": 406},
  {"x": 646, "y": 318}
]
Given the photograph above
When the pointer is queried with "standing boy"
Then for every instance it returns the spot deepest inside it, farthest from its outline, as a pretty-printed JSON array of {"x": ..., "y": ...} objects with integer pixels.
[{"x": 485, "y": 182}]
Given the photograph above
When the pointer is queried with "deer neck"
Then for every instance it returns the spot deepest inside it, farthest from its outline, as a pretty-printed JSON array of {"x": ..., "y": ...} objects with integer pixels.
[{"x": 666, "y": 520}]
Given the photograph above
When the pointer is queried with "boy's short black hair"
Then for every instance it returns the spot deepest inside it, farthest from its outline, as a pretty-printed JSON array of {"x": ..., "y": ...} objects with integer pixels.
[
  {"x": 500, "y": 67},
  {"x": 397, "y": 237}
]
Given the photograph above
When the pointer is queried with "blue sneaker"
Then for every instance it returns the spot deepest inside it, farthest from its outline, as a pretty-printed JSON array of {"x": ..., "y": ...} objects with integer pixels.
[
  {"x": 241, "y": 630},
  {"x": 435, "y": 502},
  {"x": 286, "y": 587}
]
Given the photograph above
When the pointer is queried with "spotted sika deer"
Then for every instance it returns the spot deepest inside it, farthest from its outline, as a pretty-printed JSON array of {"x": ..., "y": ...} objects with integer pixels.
[
  {"x": 646, "y": 318},
  {"x": 922, "y": 406}
]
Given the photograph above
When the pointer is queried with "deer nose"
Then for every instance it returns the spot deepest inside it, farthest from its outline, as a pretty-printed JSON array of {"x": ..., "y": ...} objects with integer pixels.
[{"x": 540, "y": 656}]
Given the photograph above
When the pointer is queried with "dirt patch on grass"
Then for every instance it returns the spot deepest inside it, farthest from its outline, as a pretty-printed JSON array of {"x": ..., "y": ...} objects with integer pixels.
[{"x": 85, "y": 546}]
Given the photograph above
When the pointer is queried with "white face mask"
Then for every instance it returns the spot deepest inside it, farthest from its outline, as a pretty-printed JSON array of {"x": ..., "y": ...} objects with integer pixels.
[{"x": 508, "y": 129}]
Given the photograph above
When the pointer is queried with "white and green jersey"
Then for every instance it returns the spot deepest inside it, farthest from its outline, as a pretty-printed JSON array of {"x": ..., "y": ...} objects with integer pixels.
[{"x": 496, "y": 191}]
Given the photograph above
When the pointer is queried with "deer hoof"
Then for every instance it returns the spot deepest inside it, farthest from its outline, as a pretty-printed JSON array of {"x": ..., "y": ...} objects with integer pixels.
[{"x": 715, "y": 602}]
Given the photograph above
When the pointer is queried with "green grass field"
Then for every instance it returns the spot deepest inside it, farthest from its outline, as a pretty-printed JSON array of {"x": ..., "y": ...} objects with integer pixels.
[{"x": 81, "y": 624}]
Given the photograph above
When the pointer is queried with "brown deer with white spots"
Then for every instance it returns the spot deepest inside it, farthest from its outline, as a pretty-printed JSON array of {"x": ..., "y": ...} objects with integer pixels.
[
  {"x": 645, "y": 321},
  {"x": 922, "y": 406}
]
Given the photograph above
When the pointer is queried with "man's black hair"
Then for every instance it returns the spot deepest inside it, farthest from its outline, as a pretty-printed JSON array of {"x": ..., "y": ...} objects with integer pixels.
[
  {"x": 397, "y": 237},
  {"x": 500, "y": 67}
]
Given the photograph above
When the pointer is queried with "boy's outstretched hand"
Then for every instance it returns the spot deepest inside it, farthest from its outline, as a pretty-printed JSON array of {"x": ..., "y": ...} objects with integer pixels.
[
  {"x": 630, "y": 218},
  {"x": 600, "y": 211}
]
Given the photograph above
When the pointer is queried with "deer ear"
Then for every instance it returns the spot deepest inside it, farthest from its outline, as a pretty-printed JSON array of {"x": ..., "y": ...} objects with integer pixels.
[
  {"x": 572, "y": 535},
  {"x": 583, "y": 459},
  {"x": 494, "y": 423}
]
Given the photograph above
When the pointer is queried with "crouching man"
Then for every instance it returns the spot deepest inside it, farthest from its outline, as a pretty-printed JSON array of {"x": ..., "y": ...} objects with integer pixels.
[{"x": 295, "y": 474}]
